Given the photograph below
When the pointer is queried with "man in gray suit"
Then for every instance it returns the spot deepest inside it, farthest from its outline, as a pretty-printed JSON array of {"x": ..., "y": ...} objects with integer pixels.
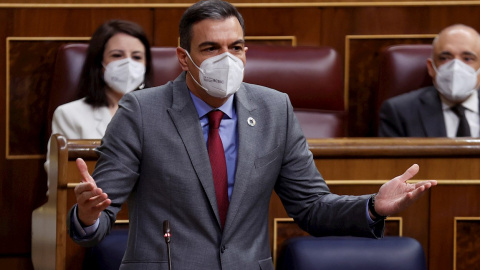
[
  {"x": 451, "y": 107},
  {"x": 154, "y": 156}
]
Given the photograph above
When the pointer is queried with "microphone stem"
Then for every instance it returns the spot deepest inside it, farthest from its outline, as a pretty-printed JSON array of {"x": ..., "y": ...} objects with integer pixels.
[{"x": 169, "y": 258}]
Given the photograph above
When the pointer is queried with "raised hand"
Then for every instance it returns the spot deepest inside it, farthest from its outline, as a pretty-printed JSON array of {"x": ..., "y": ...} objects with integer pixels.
[
  {"x": 396, "y": 195},
  {"x": 91, "y": 200}
]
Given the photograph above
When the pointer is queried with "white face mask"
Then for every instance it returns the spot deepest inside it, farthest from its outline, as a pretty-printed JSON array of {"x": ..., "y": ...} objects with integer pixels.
[
  {"x": 124, "y": 75},
  {"x": 456, "y": 80},
  {"x": 221, "y": 75}
]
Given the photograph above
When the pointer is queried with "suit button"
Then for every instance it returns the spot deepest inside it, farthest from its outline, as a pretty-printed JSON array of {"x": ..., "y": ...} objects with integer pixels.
[{"x": 222, "y": 249}]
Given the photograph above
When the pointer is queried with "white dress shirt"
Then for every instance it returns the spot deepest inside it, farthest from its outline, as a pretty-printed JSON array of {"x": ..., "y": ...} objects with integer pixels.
[{"x": 471, "y": 113}]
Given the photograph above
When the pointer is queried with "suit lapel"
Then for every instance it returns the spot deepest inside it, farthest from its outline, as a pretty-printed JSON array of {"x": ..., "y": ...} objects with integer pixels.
[
  {"x": 433, "y": 122},
  {"x": 247, "y": 136},
  {"x": 185, "y": 118}
]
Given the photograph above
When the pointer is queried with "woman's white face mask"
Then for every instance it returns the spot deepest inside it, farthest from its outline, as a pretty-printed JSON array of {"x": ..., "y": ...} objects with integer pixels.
[
  {"x": 221, "y": 75},
  {"x": 456, "y": 80},
  {"x": 124, "y": 75}
]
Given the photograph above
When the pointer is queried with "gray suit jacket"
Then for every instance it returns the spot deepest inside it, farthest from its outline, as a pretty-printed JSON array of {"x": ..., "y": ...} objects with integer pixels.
[
  {"x": 154, "y": 157},
  {"x": 414, "y": 114}
]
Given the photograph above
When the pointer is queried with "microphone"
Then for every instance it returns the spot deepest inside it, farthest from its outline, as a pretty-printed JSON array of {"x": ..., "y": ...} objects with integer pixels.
[{"x": 166, "y": 235}]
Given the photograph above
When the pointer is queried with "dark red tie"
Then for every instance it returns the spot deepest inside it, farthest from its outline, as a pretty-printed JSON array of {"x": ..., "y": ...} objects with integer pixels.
[{"x": 218, "y": 163}]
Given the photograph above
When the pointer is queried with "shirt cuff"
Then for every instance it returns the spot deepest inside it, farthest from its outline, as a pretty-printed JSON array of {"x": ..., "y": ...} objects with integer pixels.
[
  {"x": 371, "y": 222},
  {"x": 80, "y": 231}
]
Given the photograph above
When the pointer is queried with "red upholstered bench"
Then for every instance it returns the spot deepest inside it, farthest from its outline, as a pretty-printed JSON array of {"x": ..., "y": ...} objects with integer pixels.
[{"x": 311, "y": 76}]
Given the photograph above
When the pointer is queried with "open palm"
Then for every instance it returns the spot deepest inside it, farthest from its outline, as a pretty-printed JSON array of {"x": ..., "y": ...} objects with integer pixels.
[{"x": 396, "y": 195}]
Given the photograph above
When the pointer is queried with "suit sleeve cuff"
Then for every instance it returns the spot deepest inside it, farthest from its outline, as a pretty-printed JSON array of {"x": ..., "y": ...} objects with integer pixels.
[
  {"x": 80, "y": 231},
  {"x": 377, "y": 226},
  {"x": 371, "y": 222}
]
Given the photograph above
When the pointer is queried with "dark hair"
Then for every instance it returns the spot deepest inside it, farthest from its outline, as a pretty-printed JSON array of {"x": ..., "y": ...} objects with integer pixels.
[
  {"x": 91, "y": 84},
  {"x": 205, "y": 9}
]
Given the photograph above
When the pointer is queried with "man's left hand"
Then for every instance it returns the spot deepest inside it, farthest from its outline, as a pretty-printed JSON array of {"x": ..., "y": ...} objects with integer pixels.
[{"x": 396, "y": 195}]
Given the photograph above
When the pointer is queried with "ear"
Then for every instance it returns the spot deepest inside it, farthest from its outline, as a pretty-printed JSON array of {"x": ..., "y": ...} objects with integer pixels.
[
  {"x": 431, "y": 70},
  {"x": 182, "y": 58},
  {"x": 245, "y": 51}
]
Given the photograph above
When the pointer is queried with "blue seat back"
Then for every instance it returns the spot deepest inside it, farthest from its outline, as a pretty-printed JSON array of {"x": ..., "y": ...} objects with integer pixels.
[
  {"x": 108, "y": 254},
  {"x": 352, "y": 253}
]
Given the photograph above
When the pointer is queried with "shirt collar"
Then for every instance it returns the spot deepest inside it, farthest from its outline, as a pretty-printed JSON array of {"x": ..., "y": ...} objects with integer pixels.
[
  {"x": 471, "y": 103},
  {"x": 203, "y": 108}
]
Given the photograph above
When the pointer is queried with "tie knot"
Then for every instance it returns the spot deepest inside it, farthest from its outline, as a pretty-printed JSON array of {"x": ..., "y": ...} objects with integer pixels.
[
  {"x": 459, "y": 110},
  {"x": 214, "y": 118}
]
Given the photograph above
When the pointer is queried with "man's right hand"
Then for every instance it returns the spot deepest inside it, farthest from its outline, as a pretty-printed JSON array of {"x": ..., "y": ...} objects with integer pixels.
[{"x": 91, "y": 200}]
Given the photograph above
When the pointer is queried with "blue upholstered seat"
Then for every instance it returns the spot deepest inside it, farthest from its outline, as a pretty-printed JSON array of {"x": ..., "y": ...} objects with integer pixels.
[
  {"x": 108, "y": 253},
  {"x": 352, "y": 253}
]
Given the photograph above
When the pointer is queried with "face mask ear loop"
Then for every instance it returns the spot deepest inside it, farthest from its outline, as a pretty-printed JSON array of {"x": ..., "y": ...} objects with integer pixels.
[
  {"x": 476, "y": 75},
  {"x": 434, "y": 67},
  {"x": 477, "y": 72},
  {"x": 193, "y": 61},
  {"x": 197, "y": 68},
  {"x": 197, "y": 82}
]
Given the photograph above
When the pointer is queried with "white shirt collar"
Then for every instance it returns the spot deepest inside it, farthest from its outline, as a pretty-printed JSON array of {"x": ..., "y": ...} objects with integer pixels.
[{"x": 471, "y": 103}]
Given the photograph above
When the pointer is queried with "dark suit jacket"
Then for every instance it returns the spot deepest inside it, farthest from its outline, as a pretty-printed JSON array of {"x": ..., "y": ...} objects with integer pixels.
[
  {"x": 414, "y": 114},
  {"x": 154, "y": 156}
]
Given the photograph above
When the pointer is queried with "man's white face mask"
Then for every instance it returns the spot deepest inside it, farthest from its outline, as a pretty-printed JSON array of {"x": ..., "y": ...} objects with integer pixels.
[
  {"x": 221, "y": 75},
  {"x": 124, "y": 75},
  {"x": 456, "y": 80}
]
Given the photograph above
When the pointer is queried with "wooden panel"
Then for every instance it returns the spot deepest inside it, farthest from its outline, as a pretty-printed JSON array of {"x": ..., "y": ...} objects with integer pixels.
[
  {"x": 299, "y": 22},
  {"x": 448, "y": 202},
  {"x": 30, "y": 67},
  {"x": 18, "y": 202},
  {"x": 467, "y": 243},
  {"x": 296, "y": 22},
  {"x": 74, "y": 22},
  {"x": 166, "y": 26},
  {"x": 6, "y": 185},
  {"x": 20, "y": 262}
]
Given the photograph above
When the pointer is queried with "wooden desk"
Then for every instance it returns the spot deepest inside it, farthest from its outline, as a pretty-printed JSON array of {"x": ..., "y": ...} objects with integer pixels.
[{"x": 446, "y": 220}]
